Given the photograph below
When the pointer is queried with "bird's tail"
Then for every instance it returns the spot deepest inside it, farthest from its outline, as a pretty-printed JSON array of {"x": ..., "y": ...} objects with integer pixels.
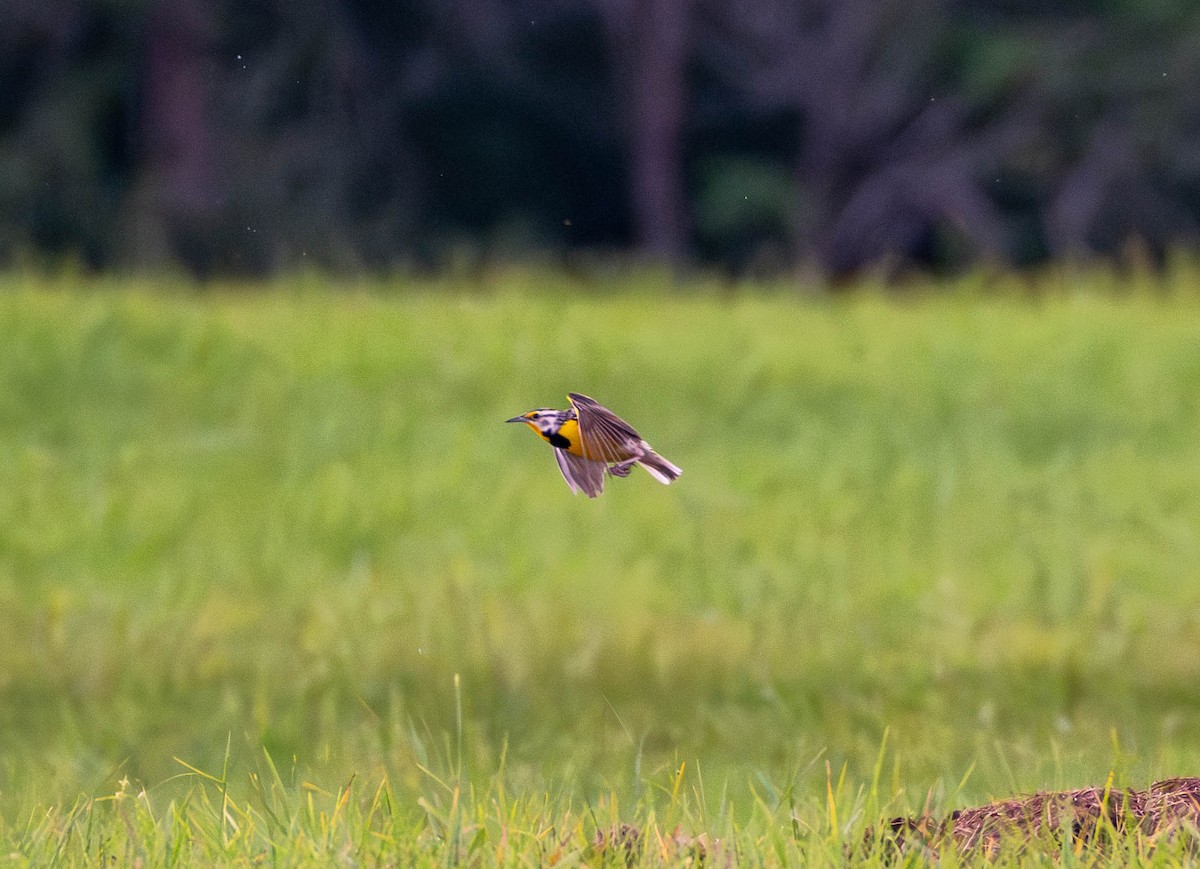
[{"x": 659, "y": 468}]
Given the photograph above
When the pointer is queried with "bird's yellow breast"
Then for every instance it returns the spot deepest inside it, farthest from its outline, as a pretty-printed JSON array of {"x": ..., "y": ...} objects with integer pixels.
[{"x": 568, "y": 431}]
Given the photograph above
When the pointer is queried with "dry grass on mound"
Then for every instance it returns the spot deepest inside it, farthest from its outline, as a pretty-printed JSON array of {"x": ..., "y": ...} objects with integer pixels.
[{"x": 1092, "y": 813}]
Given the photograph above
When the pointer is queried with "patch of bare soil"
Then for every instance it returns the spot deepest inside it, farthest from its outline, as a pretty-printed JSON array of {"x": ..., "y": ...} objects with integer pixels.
[
  {"x": 1091, "y": 814},
  {"x": 1092, "y": 817}
]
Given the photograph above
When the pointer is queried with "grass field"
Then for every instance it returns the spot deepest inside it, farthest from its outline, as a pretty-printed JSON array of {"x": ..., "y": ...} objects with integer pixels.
[{"x": 277, "y": 583}]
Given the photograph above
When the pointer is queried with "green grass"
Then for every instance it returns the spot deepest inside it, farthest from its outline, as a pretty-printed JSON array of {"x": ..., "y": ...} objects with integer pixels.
[{"x": 275, "y": 580}]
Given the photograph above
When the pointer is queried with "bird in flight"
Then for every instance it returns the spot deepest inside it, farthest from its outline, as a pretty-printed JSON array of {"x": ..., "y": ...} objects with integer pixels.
[{"x": 590, "y": 440}]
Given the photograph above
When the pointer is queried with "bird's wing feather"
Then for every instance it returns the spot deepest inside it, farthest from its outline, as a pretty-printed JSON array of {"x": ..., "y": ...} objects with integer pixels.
[
  {"x": 581, "y": 474},
  {"x": 606, "y": 437}
]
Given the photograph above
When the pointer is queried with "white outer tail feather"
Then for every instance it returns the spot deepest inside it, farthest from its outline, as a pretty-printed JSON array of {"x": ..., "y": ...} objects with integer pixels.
[{"x": 659, "y": 468}]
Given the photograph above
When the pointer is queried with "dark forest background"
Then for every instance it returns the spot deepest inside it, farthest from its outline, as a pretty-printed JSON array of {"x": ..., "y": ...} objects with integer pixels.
[{"x": 228, "y": 136}]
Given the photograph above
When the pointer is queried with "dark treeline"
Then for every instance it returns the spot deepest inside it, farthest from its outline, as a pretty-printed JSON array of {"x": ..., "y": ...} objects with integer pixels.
[{"x": 241, "y": 136}]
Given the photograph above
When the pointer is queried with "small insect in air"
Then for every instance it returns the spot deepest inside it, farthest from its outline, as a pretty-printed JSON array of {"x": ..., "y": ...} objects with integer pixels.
[{"x": 590, "y": 440}]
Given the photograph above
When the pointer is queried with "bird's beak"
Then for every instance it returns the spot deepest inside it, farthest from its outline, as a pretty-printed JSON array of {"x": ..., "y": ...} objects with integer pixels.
[{"x": 517, "y": 419}]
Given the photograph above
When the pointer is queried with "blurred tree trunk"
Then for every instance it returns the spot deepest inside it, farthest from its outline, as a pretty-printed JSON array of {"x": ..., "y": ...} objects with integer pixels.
[
  {"x": 650, "y": 41},
  {"x": 179, "y": 190}
]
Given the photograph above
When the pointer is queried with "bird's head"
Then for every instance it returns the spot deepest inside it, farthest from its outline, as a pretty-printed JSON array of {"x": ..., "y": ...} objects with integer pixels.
[{"x": 544, "y": 420}]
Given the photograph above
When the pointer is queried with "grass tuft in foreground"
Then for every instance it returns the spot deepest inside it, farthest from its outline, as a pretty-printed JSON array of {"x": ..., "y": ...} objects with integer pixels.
[{"x": 375, "y": 824}]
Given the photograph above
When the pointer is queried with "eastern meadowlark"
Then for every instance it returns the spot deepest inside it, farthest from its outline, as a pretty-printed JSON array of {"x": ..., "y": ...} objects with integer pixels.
[{"x": 589, "y": 440}]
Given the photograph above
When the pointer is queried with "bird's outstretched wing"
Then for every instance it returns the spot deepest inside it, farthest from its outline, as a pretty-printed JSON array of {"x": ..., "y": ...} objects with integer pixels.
[
  {"x": 605, "y": 436},
  {"x": 582, "y": 475}
]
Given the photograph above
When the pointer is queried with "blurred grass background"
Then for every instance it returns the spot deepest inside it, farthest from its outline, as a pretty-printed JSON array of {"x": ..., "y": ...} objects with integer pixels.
[{"x": 286, "y": 519}]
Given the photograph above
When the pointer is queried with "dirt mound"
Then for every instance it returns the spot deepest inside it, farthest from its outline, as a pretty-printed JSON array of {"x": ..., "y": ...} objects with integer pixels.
[{"x": 1091, "y": 815}]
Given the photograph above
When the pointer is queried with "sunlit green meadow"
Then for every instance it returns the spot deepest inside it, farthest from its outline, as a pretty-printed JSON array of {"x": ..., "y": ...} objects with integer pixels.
[{"x": 276, "y": 581}]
